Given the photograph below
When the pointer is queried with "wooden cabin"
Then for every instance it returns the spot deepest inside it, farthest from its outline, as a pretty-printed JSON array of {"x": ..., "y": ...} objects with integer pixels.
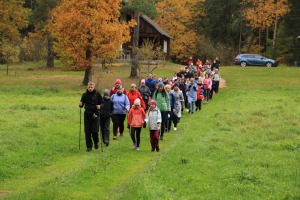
[{"x": 148, "y": 30}]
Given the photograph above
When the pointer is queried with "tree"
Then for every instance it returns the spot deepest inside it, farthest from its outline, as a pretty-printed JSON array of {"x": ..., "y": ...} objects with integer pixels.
[
  {"x": 88, "y": 29},
  {"x": 40, "y": 16},
  {"x": 262, "y": 14},
  {"x": 136, "y": 7},
  {"x": 13, "y": 17},
  {"x": 177, "y": 18},
  {"x": 10, "y": 53}
]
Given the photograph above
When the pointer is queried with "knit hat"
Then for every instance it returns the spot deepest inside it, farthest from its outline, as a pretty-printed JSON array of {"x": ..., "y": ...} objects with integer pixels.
[
  {"x": 133, "y": 85},
  {"x": 137, "y": 102},
  {"x": 152, "y": 102},
  {"x": 161, "y": 84},
  {"x": 176, "y": 85},
  {"x": 143, "y": 81},
  {"x": 118, "y": 82},
  {"x": 106, "y": 92}
]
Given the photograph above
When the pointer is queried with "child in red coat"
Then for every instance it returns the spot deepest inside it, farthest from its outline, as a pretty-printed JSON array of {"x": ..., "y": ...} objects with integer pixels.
[
  {"x": 200, "y": 96},
  {"x": 136, "y": 118}
]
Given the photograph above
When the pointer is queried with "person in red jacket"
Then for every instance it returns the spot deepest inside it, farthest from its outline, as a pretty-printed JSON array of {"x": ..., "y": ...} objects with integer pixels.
[
  {"x": 136, "y": 118},
  {"x": 113, "y": 90},
  {"x": 133, "y": 94},
  {"x": 200, "y": 96}
]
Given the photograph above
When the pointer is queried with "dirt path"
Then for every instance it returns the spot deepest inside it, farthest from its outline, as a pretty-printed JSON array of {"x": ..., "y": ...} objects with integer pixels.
[{"x": 222, "y": 83}]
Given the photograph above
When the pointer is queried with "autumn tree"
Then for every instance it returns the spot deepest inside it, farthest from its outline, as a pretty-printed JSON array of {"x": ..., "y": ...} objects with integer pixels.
[
  {"x": 39, "y": 18},
  {"x": 177, "y": 18},
  {"x": 263, "y": 14},
  {"x": 88, "y": 29},
  {"x": 136, "y": 7},
  {"x": 13, "y": 17}
]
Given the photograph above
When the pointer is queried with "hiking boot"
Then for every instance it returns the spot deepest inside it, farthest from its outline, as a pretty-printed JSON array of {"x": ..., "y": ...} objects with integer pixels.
[
  {"x": 157, "y": 149},
  {"x": 89, "y": 149},
  {"x": 114, "y": 137},
  {"x": 175, "y": 129},
  {"x": 96, "y": 146},
  {"x": 196, "y": 109}
]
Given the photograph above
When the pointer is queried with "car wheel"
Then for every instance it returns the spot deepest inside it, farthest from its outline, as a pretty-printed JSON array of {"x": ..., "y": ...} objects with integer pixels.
[
  {"x": 268, "y": 64},
  {"x": 243, "y": 64}
]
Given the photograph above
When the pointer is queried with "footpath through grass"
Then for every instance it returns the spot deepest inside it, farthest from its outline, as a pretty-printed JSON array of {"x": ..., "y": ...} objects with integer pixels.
[{"x": 244, "y": 144}]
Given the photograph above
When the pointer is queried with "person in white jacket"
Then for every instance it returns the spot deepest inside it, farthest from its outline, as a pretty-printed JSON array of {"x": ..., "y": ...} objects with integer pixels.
[{"x": 153, "y": 118}]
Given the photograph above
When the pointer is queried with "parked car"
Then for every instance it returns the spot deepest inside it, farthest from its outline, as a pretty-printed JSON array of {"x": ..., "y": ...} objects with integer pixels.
[{"x": 254, "y": 60}]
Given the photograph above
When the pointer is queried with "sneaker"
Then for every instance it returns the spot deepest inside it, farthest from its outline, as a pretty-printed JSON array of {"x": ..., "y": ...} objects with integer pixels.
[
  {"x": 137, "y": 149},
  {"x": 196, "y": 109},
  {"x": 115, "y": 137},
  {"x": 106, "y": 143},
  {"x": 134, "y": 147},
  {"x": 157, "y": 149},
  {"x": 175, "y": 129}
]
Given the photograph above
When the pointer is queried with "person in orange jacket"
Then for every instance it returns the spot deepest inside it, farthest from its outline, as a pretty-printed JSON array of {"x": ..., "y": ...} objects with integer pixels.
[
  {"x": 136, "y": 118},
  {"x": 133, "y": 94}
]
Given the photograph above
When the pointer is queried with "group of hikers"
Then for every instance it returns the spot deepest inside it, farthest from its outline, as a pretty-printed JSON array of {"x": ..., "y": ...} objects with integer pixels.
[{"x": 157, "y": 103}]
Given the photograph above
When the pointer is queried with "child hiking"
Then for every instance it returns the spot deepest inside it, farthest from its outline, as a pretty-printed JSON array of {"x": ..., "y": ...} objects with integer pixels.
[
  {"x": 136, "y": 118},
  {"x": 153, "y": 117}
]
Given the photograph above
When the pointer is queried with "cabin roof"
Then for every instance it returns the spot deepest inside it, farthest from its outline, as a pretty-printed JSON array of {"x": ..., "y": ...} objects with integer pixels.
[{"x": 155, "y": 25}]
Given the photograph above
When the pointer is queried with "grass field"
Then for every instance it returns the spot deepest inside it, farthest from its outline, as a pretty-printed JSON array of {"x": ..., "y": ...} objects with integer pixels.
[{"x": 244, "y": 144}]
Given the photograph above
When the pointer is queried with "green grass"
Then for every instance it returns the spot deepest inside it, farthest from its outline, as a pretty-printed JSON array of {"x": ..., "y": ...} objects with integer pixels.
[{"x": 244, "y": 144}]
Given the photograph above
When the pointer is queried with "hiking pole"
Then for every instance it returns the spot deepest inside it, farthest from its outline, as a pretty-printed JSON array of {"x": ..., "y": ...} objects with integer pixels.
[
  {"x": 101, "y": 136},
  {"x": 79, "y": 127}
]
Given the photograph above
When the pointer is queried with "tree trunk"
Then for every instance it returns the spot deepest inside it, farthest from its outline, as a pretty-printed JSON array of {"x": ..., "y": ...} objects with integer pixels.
[
  {"x": 88, "y": 69},
  {"x": 250, "y": 43},
  {"x": 274, "y": 37},
  {"x": 50, "y": 56},
  {"x": 135, "y": 42},
  {"x": 87, "y": 76}
]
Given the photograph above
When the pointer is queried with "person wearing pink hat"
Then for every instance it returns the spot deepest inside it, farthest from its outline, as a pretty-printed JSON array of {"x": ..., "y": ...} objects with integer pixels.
[
  {"x": 113, "y": 90},
  {"x": 136, "y": 117}
]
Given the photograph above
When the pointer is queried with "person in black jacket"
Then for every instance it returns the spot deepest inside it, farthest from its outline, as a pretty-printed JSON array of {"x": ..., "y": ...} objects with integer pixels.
[
  {"x": 105, "y": 114},
  {"x": 145, "y": 92},
  {"x": 91, "y": 100}
]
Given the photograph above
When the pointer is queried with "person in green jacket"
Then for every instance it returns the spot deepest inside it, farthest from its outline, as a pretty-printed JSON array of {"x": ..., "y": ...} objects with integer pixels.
[{"x": 163, "y": 103}]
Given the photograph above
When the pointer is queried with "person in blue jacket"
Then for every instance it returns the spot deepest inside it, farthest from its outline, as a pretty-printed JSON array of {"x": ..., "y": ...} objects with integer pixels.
[{"x": 120, "y": 109}]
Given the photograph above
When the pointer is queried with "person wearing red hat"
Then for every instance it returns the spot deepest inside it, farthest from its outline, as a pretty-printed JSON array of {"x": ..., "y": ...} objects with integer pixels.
[
  {"x": 153, "y": 118},
  {"x": 136, "y": 117},
  {"x": 113, "y": 90}
]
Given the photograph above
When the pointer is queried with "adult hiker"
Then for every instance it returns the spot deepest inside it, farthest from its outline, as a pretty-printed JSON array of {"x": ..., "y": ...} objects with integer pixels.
[
  {"x": 133, "y": 94},
  {"x": 113, "y": 90},
  {"x": 121, "y": 107},
  {"x": 145, "y": 92},
  {"x": 192, "y": 95},
  {"x": 163, "y": 103},
  {"x": 91, "y": 101},
  {"x": 179, "y": 98}
]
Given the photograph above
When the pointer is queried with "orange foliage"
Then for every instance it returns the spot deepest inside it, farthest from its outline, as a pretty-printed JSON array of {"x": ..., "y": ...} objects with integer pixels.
[
  {"x": 87, "y": 26},
  {"x": 176, "y": 17},
  {"x": 262, "y": 13}
]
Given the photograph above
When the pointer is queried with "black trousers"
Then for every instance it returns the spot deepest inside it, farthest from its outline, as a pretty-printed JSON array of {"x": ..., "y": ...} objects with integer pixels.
[
  {"x": 105, "y": 131},
  {"x": 164, "y": 118},
  {"x": 199, "y": 104},
  {"x": 135, "y": 133},
  {"x": 91, "y": 128},
  {"x": 118, "y": 122}
]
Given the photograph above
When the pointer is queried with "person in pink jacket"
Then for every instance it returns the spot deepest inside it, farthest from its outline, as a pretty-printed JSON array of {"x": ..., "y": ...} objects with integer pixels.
[
  {"x": 207, "y": 83},
  {"x": 136, "y": 118}
]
